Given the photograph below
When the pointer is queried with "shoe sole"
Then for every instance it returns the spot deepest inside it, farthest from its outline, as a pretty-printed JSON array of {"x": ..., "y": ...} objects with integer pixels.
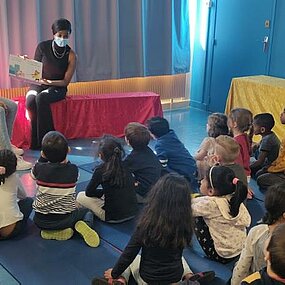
[
  {"x": 90, "y": 237},
  {"x": 57, "y": 234}
]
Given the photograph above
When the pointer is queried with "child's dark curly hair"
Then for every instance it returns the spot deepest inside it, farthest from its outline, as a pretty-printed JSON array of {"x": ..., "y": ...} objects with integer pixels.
[{"x": 8, "y": 160}]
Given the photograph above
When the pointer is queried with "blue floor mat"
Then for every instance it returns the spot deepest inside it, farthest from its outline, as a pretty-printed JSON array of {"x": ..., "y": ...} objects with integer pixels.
[
  {"x": 33, "y": 260},
  {"x": 6, "y": 278}
]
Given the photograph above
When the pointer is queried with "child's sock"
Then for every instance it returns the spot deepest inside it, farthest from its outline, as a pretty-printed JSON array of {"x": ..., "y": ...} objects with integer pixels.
[
  {"x": 88, "y": 234},
  {"x": 57, "y": 234}
]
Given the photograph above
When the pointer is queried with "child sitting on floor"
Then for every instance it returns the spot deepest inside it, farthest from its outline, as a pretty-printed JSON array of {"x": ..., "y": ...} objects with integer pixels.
[
  {"x": 216, "y": 126},
  {"x": 266, "y": 151},
  {"x": 115, "y": 182},
  {"x": 56, "y": 213},
  {"x": 276, "y": 171},
  {"x": 274, "y": 273},
  {"x": 252, "y": 255},
  {"x": 13, "y": 213},
  {"x": 226, "y": 151},
  {"x": 221, "y": 218},
  {"x": 239, "y": 122},
  {"x": 142, "y": 162},
  {"x": 171, "y": 152},
  {"x": 163, "y": 231}
]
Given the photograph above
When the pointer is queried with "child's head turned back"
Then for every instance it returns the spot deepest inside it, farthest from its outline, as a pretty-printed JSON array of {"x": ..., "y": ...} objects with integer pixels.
[
  {"x": 263, "y": 120},
  {"x": 8, "y": 160},
  {"x": 138, "y": 135},
  {"x": 275, "y": 204},
  {"x": 221, "y": 181},
  {"x": 167, "y": 213},
  {"x": 54, "y": 146},
  {"x": 158, "y": 126},
  {"x": 227, "y": 149},
  {"x": 275, "y": 255},
  {"x": 241, "y": 119},
  {"x": 217, "y": 125}
]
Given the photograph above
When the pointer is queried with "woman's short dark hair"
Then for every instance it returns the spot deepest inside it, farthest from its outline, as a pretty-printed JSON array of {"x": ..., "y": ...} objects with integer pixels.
[
  {"x": 8, "y": 160},
  {"x": 276, "y": 249},
  {"x": 274, "y": 203},
  {"x": 55, "y": 146},
  {"x": 61, "y": 25},
  {"x": 166, "y": 220}
]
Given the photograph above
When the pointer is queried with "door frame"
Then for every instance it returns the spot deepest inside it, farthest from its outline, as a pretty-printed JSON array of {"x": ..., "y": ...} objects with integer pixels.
[{"x": 211, "y": 45}]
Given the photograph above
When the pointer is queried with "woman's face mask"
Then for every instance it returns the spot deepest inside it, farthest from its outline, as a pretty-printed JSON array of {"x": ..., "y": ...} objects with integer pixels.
[{"x": 61, "y": 42}]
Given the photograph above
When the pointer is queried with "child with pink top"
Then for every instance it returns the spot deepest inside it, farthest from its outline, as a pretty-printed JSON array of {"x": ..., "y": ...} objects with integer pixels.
[{"x": 239, "y": 122}]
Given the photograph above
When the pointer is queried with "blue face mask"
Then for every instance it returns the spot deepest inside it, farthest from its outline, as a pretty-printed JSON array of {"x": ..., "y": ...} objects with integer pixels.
[{"x": 60, "y": 41}]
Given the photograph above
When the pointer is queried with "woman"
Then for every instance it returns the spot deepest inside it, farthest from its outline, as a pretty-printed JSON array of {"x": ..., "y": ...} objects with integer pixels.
[{"x": 59, "y": 62}]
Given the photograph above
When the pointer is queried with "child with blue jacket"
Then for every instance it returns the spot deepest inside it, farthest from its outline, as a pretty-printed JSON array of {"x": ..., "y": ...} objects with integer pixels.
[{"x": 171, "y": 152}]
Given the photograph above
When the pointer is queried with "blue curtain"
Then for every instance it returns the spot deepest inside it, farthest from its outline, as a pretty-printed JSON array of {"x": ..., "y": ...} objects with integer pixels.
[
  {"x": 129, "y": 38},
  {"x": 112, "y": 38}
]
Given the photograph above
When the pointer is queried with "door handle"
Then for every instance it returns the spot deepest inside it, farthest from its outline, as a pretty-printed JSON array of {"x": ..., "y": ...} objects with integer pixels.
[{"x": 265, "y": 43}]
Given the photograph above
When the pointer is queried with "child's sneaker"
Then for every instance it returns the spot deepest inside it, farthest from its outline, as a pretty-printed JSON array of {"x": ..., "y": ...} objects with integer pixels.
[
  {"x": 57, "y": 234},
  {"x": 88, "y": 234}
]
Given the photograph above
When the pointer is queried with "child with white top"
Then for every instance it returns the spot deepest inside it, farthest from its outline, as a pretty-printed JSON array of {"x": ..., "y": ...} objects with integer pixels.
[
  {"x": 252, "y": 255},
  {"x": 15, "y": 206},
  {"x": 221, "y": 217}
]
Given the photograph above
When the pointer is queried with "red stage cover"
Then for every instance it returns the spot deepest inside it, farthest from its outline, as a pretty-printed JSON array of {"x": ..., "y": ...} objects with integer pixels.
[{"x": 92, "y": 115}]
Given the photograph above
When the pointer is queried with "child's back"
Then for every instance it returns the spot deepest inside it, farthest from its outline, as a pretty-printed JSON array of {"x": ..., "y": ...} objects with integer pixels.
[
  {"x": 110, "y": 194},
  {"x": 221, "y": 217},
  {"x": 171, "y": 152},
  {"x": 15, "y": 206},
  {"x": 239, "y": 122},
  {"x": 142, "y": 162},
  {"x": 146, "y": 168}
]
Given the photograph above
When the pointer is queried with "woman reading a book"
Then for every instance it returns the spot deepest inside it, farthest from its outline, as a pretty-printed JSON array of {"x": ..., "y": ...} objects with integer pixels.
[{"x": 59, "y": 62}]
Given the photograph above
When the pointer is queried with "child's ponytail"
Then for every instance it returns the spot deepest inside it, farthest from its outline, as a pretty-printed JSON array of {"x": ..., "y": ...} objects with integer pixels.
[
  {"x": 223, "y": 180},
  {"x": 239, "y": 195},
  {"x": 112, "y": 153}
]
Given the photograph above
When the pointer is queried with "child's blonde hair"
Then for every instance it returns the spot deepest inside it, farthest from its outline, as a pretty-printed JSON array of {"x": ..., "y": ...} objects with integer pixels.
[
  {"x": 242, "y": 117},
  {"x": 227, "y": 148}
]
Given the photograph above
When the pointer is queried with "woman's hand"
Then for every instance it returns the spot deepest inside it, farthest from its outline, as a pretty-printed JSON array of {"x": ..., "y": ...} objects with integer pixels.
[
  {"x": 107, "y": 273},
  {"x": 45, "y": 81}
]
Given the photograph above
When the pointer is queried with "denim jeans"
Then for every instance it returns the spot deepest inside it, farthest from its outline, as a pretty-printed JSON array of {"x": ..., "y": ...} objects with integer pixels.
[{"x": 7, "y": 118}]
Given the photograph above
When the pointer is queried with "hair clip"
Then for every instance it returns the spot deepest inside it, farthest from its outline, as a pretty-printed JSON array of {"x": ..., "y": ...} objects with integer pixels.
[{"x": 235, "y": 181}]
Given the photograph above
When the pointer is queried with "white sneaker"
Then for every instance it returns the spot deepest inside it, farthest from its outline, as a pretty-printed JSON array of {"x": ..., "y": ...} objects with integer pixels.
[
  {"x": 22, "y": 164},
  {"x": 17, "y": 151}
]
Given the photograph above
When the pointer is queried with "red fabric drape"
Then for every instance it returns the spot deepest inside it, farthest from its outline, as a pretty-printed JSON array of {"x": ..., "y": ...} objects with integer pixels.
[{"x": 92, "y": 115}]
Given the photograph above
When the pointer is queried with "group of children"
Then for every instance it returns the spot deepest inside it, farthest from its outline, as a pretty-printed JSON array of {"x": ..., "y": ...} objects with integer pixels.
[{"x": 163, "y": 180}]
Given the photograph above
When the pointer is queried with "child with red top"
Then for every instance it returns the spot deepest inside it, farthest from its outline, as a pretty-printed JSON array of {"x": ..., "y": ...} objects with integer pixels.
[{"x": 239, "y": 122}]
